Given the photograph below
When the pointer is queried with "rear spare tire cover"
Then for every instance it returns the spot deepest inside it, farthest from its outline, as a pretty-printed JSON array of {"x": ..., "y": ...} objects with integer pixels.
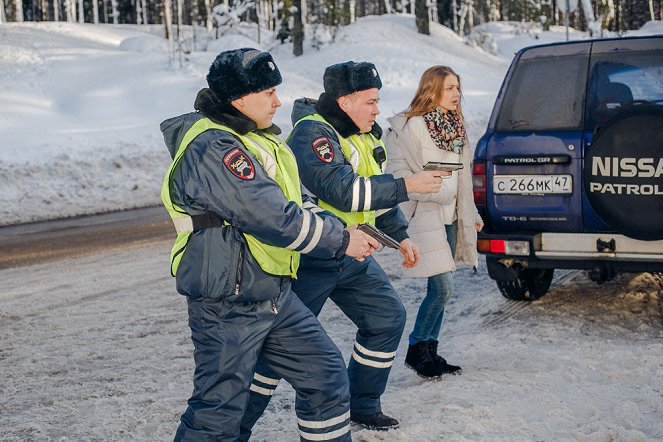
[{"x": 623, "y": 173}]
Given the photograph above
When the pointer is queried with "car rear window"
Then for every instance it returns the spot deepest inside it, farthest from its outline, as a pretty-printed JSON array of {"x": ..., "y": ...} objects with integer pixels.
[
  {"x": 545, "y": 93},
  {"x": 622, "y": 81}
]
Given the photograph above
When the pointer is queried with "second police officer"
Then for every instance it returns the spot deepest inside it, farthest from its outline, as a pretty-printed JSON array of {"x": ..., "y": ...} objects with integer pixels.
[{"x": 339, "y": 153}]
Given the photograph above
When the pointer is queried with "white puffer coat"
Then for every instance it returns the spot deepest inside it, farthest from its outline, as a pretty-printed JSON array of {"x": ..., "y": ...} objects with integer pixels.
[{"x": 409, "y": 147}]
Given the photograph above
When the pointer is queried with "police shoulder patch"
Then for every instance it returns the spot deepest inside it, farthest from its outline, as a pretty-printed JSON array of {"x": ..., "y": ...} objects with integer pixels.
[
  {"x": 239, "y": 164},
  {"x": 323, "y": 149}
]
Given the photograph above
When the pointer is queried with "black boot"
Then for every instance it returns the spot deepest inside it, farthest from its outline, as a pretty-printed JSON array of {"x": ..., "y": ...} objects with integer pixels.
[
  {"x": 377, "y": 421},
  {"x": 445, "y": 368},
  {"x": 418, "y": 358}
]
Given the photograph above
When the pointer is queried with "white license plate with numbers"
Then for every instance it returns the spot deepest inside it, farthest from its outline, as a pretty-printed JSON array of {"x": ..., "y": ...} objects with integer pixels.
[{"x": 532, "y": 184}]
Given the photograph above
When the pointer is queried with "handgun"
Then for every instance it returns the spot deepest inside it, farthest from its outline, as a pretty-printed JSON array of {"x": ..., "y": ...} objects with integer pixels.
[
  {"x": 379, "y": 236},
  {"x": 447, "y": 167}
]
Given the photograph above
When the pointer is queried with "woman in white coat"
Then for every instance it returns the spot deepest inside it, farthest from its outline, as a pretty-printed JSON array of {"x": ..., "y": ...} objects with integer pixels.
[{"x": 443, "y": 224}]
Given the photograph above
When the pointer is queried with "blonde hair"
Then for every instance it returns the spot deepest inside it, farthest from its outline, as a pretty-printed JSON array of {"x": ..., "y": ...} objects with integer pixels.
[{"x": 428, "y": 94}]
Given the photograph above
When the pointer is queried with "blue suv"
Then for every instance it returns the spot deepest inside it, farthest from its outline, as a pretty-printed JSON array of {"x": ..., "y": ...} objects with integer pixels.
[{"x": 569, "y": 174}]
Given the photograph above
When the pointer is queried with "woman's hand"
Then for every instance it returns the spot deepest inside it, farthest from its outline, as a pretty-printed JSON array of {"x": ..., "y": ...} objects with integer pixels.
[
  {"x": 478, "y": 225},
  {"x": 410, "y": 253}
]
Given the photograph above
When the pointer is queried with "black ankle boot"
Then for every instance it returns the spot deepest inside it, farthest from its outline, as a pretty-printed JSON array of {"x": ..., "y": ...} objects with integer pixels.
[
  {"x": 445, "y": 368},
  {"x": 418, "y": 358},
  {"x": 378, "y": 421}
]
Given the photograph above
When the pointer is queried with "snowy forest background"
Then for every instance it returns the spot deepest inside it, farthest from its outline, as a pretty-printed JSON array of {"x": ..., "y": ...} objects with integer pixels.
[{"x": 190, "y": 24}]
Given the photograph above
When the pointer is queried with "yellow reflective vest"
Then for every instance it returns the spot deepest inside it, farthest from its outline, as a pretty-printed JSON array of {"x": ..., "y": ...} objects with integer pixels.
[
  {"x": 358, "y": 151},
  {"x": 279, "y": 164}
]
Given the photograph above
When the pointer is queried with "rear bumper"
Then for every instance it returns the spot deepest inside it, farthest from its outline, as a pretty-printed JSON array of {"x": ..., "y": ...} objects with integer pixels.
[{"x": 581, "y": 251}]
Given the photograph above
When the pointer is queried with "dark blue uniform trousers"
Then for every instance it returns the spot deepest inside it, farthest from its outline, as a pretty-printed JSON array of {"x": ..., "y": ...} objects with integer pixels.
[
  {"x": 363, "y": 292},
  {"x": 229, "y": 337}
]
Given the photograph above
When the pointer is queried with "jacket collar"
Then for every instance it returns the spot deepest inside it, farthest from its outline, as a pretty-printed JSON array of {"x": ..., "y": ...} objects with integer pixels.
[
  {"x": 222, "y": 112},
  {"x": 330, "y": 111}
]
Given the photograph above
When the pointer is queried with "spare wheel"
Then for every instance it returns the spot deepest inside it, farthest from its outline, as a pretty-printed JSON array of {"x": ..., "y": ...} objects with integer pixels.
[{"x": 623, "y": 173}]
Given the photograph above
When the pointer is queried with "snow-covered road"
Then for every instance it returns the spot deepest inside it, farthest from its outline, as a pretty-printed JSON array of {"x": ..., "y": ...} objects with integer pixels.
[{"x": 97, "y": 348}]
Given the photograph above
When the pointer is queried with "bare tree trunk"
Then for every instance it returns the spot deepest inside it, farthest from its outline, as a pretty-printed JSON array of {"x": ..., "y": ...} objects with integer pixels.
[
  {"x": 454, "y": 13},
  {"x": 168, "y": 19},
  {"x": 651, "y": 10},
  {"x": 71, "y": 15},
  {"x": 18, "y": 10},
  {"x": 209, "y": 23},
  {"x": 298, "y": 30},
  {"x": 95, "y": 12},
  {"x": 180, "y": 44},
  {"x": 470, "y": 14},
  {"x": 139, "y": 17},
  {"x": 275, "y": 9},
  {"x": 56, "y": 10},
  {"x": 114, "y": 11},
  {"x": 81, "y": 12},
  {"x": 3, "y": 17},
  {"x": 260, "y": 15},
  {"x": 421, "y": 17},
  {"x": 387, "y": 6}
]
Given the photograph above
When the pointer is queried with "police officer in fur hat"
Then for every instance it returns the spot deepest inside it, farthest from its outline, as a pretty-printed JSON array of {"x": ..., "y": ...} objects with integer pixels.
[
  {"x": 339, "y": 152},
  {"x": 235, "y": 264}
]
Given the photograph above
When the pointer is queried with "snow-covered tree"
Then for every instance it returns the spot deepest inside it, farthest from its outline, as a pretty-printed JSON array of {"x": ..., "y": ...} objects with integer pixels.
[
  {"x": 226, "y": 17},
  {"x": 593, "y": 26}
]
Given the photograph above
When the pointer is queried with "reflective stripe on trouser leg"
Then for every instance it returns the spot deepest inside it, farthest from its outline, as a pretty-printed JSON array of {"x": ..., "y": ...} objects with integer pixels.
[
  {"x": 313, "y": 293},
  {"x": 225, "y": 359},
  {"x": 366, "y": 296},
  {"x": 262, "y": 388},
  {"x": 300, "y": 352}
]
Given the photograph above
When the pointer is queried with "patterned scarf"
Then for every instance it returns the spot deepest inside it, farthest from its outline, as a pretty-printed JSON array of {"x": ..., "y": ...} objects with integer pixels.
[{"x": 446, "y": 129}]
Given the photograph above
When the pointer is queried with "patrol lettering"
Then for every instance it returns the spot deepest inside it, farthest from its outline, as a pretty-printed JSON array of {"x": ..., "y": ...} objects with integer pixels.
[
  {"x": 625, "y": 189},
  {"x": 239, "y": 164}
]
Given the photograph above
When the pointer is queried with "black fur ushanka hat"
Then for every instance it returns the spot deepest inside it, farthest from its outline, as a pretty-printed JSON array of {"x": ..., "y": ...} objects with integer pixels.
[
  {"x": 345, "y": 78},
  {"x": 240, "y": 72}
]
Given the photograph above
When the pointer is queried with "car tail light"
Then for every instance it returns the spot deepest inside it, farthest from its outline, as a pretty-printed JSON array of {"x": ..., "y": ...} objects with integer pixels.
[
  {"x": 504, "y": 247},
  {"x": 479, "y": 183}
]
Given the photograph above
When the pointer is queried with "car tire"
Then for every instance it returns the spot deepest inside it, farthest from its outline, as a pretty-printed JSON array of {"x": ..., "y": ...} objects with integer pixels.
[{"x": 529, "y": 285}]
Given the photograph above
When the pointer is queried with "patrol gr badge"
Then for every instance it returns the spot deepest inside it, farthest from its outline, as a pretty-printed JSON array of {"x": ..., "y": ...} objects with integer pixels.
[
  {"x": 323, "y": 149},
  {"x": 239, "y": 164}
]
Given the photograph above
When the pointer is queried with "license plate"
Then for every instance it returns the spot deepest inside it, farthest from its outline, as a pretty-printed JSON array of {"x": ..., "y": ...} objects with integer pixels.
[{"x": 532, "y": 184}]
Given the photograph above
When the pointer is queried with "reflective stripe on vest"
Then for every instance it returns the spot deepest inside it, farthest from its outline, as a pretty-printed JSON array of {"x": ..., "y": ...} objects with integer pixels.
[
  {"x": 358, "y": 151},
  {"x": 279, "y": 164}
]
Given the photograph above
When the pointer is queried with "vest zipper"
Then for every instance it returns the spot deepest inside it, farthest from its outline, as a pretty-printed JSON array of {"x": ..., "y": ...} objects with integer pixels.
[
  {"x": 240, "y": 261},
  {"x": 274, "y": 309}
]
